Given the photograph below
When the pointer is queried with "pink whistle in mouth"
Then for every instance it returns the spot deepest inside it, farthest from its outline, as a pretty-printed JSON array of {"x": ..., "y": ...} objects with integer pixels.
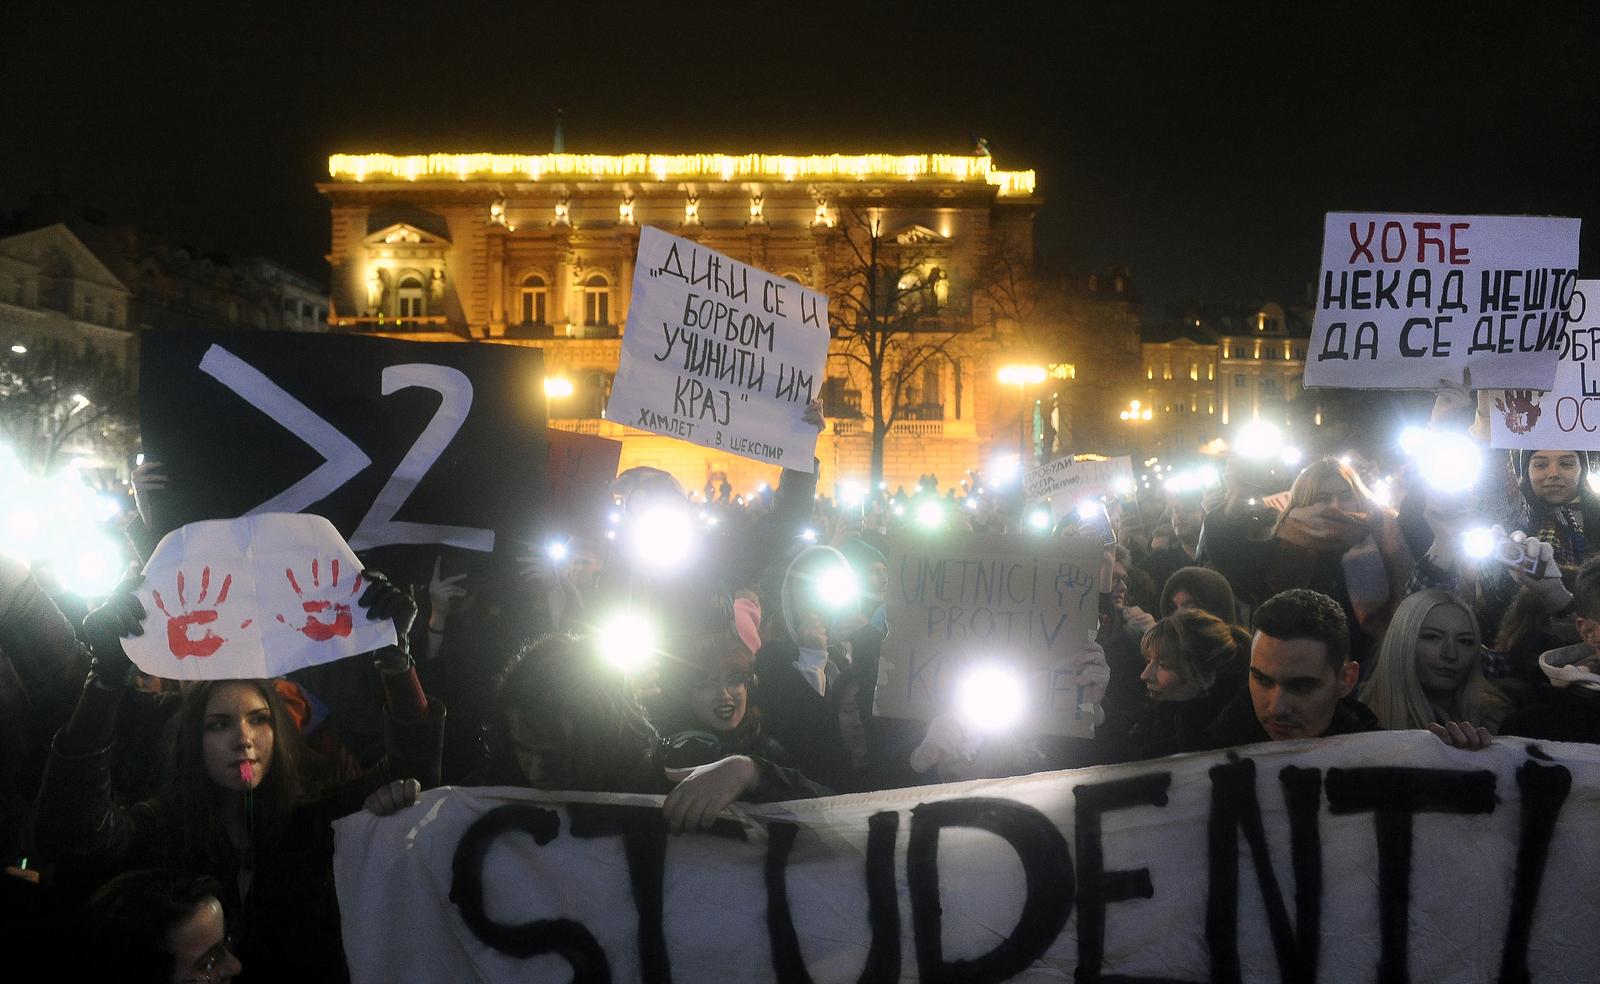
[{"x": 246, "y": 772}]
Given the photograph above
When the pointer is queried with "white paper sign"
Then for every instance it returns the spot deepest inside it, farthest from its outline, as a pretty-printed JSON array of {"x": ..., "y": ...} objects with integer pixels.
[
  {"x": 719, "y": 353},
  {"x": 1024, "y": 606},
  {"x": 1568, "y": 416},
  {"x": 1406, "y": 300},
  {"x": 252, "y": 598},
  {"x": 1072, "y": 481},
  {"x": 1377, "y": 857}
]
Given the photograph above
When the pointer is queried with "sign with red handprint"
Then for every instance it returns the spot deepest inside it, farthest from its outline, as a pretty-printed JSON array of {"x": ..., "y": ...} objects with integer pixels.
[
  {"x": 1568, "y": 415},
  {"x": 254, "y": 597}
]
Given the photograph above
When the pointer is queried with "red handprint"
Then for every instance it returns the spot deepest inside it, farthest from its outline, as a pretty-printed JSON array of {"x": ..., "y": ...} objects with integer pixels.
[
  {"x": 315, "y": 629},
  {"x": 1520, "y": 409},
  {"x": 179, "y": 640}
]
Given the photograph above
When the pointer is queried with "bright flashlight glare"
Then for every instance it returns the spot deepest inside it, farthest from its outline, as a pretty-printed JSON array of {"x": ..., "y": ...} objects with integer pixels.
[
  {"x": 808, "y": 535},
  {"x": 1292, "y": 456},
  {"x": 1088, "y": 510},
  {"x": 1594, "y": 482},
  {"x": 661, "y": 537},
  {"x": 899, "y": 510},
  {"x": 56, "y": 521},
  {"x": 20, "y": 349},
  {"x": 836, "y": 586},
  {"x": 990, "y": 698},
  {"x": 1478, "y": 544},
  {"x": 930, "y": 515},
  {"x": 1258, "y": 439},
  {"x": 1412, "y": 439},
  {"x": 852, "y": 494},
  {"x": 1004, "y": 470},
  {"x": 1383, "y": 491},
  {"x": 1123, "y": 486},
  {"x": 556, "y": 550},
  {"x": 1451, "y": 462},
  {"x": 627, "y": 640},
  {"x": 972, "y": 503},
  {"x": 1039, "y": 520}
]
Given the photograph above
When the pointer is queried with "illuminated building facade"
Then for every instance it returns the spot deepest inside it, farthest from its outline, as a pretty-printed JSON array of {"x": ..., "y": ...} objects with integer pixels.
[
  {"x": 538, "y": 250},
  {"x": 1217, "y": 367}
]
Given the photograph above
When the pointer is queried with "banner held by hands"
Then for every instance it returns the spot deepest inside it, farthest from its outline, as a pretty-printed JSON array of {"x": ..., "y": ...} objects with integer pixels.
[{"x": 252, "y": 598}]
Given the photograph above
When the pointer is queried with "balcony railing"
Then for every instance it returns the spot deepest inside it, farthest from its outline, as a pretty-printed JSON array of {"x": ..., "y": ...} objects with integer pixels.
[{"x": 386, "y": 322}]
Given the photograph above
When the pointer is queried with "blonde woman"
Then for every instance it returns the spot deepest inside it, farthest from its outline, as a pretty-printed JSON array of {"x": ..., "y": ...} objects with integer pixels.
[{"x": 1429, "y": 670}]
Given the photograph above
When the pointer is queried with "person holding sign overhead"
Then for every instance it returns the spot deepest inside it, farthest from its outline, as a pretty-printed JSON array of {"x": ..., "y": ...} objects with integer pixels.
[{"x": 239, "y": 808}]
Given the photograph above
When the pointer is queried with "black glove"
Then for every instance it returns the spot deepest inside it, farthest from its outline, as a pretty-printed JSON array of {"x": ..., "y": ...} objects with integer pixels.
[
  {"x": 383, "y": 599},
  {"x": 104, "y": 629}
]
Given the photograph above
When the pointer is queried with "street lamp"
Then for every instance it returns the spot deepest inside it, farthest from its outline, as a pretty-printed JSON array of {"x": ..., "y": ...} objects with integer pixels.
[
  {"x": 1023, "y": 376},
  {"x": 1136, "y": 412}
]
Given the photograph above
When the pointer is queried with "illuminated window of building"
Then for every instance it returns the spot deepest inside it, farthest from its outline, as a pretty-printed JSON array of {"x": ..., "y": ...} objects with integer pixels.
[
  {"x": 533, "y": 296},
  {"x": 1211, "y": 405},
  {"x": 410, "y": 296},
  {"x": 1194, "y": 371},
  {"x": 1149, "y": 372},
  {"x": 1166, "y": 373},
  {"x": 596, "y": 301},
  {"x": 1211, "y": 372}
]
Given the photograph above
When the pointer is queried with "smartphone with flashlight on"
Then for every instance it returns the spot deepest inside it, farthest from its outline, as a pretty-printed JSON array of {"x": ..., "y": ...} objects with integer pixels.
[
  {"x": 1485, "y": 544},
  {"x": 1094, "y": 520}
]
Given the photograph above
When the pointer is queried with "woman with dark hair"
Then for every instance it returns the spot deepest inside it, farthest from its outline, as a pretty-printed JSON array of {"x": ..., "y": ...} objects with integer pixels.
[
  {"x": 239, "y": 808},
  {"x": 1194, "y": 664},
  {"x": 156, "y": 927},
  {"x": 1332, "y": 538}
]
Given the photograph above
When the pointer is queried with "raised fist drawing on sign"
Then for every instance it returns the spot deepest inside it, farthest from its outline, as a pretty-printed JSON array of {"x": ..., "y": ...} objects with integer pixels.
[
  {"x": 182, "y": 640},
  {"x": 327, "y": 610},
  {"x": 1521, "y": 410}
]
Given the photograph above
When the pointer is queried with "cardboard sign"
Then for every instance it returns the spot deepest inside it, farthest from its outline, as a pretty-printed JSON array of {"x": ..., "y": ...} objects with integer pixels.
[
  {"x": 252, "y": 598},
  {"x": 579, "y": 474},
  {"x": 1407, "y": 300},
  {"x": 719, "y": 353},
  {"x": 404, "y": 446},
  {"x": 1028, "y": 605},
  {"x": 1568, "y": 416},
  {"x": 1073, "y": 481},
  {"x": 1339, "y": 859}
]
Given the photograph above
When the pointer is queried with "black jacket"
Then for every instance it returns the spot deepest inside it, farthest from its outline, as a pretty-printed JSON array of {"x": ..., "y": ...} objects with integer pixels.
[{"x": 804, "y": 723}]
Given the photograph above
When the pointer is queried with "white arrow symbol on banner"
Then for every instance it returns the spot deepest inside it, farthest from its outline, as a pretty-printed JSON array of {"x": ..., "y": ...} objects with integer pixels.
[{"x": 344, "y": 459}]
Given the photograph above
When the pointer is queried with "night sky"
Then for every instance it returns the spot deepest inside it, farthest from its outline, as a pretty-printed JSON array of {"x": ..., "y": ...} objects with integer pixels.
[{"x": 1197, "y": 143}]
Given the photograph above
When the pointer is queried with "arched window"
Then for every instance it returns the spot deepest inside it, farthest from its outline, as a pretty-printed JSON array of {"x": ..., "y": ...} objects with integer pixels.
[
  {"x": 410, "y": 296},
  {"x": 596, "y": 301},
  {"x": 532, "y": 299}
]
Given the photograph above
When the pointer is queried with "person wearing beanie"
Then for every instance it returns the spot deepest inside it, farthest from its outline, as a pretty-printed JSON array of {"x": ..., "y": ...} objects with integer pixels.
[{"x": 1202, "y": 588}]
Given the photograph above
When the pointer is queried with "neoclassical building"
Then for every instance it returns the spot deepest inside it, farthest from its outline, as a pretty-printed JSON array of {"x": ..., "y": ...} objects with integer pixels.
[{"x": 538, "y": 250}]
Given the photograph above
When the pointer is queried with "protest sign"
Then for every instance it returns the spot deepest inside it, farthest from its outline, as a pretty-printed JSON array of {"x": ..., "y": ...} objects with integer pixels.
[
  {"x": 1027, "y": 605},
  {"x": 579, "y": 473},
  {"x": 719, "y": 353},
  {"x": 406, "y": 447},
  {"x": 1068, "y": 482},
  {"x": 1568, "y": 416},
  {"x": 1407, "y": 300},
  {"x": 1385, "y": 856},
  {"x": 252, "y": 598}
]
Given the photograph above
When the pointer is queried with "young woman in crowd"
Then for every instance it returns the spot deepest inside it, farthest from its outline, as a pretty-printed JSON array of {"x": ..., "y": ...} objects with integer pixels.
[
  {"x": 1332, "y": 538},
  {"x": 1194, "y": 664},
  {"x": 1429, "y": 669},
  {"x": 1202, "y": 588},
  {"x": 238, "y": 809}
]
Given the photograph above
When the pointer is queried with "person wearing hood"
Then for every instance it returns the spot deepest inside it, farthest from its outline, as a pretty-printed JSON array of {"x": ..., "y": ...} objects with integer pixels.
[
  {"x": 1556, "y": 504},
  {"x": 1202, "y": 588},
  {"x": 807, "y": 691}
]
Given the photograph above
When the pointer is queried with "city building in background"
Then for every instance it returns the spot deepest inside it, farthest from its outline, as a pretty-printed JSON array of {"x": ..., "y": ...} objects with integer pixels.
[
  {"x": 538, "y": 250},
  {"x": 1216, "y": 366}
]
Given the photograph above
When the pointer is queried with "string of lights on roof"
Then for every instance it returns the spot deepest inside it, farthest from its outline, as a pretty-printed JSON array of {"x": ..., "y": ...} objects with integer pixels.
[{"x": 662, "y": 167}]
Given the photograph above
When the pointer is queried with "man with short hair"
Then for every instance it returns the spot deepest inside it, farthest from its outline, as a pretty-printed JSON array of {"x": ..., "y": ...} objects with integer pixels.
[{"x": 1301, "y": 676}]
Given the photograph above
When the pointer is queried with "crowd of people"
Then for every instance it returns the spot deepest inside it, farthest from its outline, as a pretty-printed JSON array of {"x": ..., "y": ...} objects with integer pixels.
[{"x": 183, "y": 833}]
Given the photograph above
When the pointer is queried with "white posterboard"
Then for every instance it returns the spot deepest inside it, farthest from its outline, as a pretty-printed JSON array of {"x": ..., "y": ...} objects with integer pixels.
[
  {"x": 719, "y": 353},
  {"x": 252, "y": 598},
  {"x": 1375, "y": 857},
  {"x": 1070, "y": 481},
  {"x": 1405, "y": 300},
  {"x": 1027, "y": 605},
  {"x": 1568, "y": 416}
]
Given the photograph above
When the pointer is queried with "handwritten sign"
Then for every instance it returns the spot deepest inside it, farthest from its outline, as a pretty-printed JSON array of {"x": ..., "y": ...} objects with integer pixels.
[
  {"x": 1027, "y": 605},
  {"x": 1568, "y": 416},
  {"x": 719, "y": 353},
  {"x": 1338, "y": 859},
  {"x": 579, "y": 473},
  {"x": 1068, "y": 481},
  {"x": 1405, "y": 300},
  {"x": 252, "y": 598}
]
